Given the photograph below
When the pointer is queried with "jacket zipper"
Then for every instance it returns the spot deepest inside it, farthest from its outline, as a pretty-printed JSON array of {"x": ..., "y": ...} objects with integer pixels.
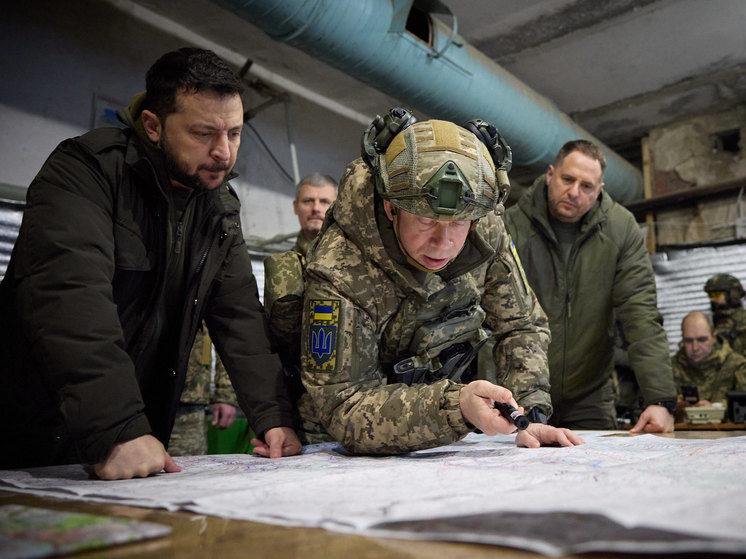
[
  {"x": 179, "y": 236},
  {"x": 200, "y": 265}
]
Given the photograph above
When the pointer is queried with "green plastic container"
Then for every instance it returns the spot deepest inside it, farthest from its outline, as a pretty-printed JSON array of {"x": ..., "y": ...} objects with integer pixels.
[{"x": 234, "y": 440}]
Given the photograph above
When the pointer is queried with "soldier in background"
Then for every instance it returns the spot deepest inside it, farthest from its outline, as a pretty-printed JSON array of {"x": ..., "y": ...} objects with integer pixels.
[
  {"x": 189, "y": 435},
  {"x": 283, "y": 275},
  {"x": 729, "y": 316},
  {"x": 313, "y": 196},
  {"x": 410, "y": 271},
  {"x": 707, "y": 361}
]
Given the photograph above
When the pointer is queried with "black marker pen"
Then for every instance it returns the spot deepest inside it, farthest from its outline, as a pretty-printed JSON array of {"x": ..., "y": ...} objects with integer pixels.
[{"x": 512, "y": 414}]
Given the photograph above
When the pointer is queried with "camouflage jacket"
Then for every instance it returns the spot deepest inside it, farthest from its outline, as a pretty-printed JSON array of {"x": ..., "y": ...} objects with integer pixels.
[
  {"x": 731, "y": 325},
  {"x": 722, "y": 370},
  {"x": 369, "y": 310},
  {"x": 197, "y": 383},
  {"x": 283, "y": 303},
  {"x": 302, "y": 244},
  {"x": 283, "y": 296}
]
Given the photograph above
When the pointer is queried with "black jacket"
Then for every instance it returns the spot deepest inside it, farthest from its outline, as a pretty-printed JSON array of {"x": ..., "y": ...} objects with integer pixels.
[{"x": 86, "y": 359}]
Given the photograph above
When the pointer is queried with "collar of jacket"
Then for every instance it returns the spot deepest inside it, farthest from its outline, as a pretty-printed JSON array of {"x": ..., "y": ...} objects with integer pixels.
[
  {"x": 354, "y": 213},
  {"x": 534, "y": 204}
]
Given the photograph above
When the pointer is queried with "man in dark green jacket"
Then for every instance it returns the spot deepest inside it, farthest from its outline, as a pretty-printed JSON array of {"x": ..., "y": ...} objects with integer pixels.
[
  {"x": 130, "y": 238},
  {"x": 585, "y": 258}
]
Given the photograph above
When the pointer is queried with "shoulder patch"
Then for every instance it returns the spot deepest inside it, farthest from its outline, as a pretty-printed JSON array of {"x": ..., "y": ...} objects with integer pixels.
[
  {"x": 517, "y": 259},
  {"x": 323, "y": 326}
]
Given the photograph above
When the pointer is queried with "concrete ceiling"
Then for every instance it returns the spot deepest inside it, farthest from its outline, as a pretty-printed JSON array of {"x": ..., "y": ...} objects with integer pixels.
[{"x": 617, "y": 67}]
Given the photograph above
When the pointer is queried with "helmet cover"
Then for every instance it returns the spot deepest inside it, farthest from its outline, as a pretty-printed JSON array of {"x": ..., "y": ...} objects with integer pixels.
[{"x": 439, "y": 170}]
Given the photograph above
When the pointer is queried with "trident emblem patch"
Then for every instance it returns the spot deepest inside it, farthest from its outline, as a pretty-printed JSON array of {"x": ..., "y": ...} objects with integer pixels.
[{"x": 322, "y": 333}]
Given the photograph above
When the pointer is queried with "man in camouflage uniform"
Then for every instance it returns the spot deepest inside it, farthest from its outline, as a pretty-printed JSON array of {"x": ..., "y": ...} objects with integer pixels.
[
  {"x": 189, "y": 435},
  {"x": 707, "y": 361},
  {"x": 410, "y": 273},
  {"x": 313, "y": 196},
  {"x": 283, "y": 275},
  {"x": 725, "y": 293}
]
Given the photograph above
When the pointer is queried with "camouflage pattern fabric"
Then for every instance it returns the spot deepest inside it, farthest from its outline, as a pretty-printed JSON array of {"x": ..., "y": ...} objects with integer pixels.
[
  {"x": 364, "y": 311},
  {"x": 421, "y": 151},
  {"x": 197, "y": 383},
  {"x": 283, "y": 303},
  {"x": 731, "y": 325},
  {"x": 301, "y": 244},
  {"x": 723, "y": 370},
  {"x": 189, "y": 434}
]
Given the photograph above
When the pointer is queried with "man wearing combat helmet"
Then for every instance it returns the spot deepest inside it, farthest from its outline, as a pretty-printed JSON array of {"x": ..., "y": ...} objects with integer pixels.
[
  {"x": 725, "y": 293},
  {"x": 413, "y": 271}
]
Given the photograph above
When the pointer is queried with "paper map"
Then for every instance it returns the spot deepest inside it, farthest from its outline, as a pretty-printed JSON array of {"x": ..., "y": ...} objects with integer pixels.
[
  {"x": 27, "y": 532},
  {"x": 620, "y": 493}
]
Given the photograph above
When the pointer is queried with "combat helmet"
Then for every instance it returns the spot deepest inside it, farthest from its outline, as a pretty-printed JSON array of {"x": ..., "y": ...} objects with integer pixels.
[
  {"x": 437, "y": 169},
  {"x": 725, "y": 283}
]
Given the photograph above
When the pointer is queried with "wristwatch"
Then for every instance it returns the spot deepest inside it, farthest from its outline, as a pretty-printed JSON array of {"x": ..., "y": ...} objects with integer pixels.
[{"x": 670, "y": 405}]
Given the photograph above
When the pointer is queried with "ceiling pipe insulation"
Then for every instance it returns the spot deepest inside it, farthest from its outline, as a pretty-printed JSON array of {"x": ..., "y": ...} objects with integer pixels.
[{"x": 441, "y": 76}]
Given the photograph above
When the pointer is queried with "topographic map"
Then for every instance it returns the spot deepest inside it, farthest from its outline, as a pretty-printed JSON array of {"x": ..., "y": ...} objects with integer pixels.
[{"x": 616, "y": 493}]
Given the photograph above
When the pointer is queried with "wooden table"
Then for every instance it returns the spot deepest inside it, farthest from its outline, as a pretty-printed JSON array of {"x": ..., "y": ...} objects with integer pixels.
[
  {"x": 199, "y": 536},
  {"x": 726, "y": 426}
]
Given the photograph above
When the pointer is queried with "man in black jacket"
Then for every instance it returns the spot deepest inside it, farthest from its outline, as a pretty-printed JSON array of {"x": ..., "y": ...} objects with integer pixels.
[{"x": 130, "y": 238}]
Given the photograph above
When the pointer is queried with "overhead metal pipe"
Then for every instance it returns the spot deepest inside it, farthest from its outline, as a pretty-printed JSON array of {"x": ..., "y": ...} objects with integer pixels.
[{"x": 444, "y": 77}]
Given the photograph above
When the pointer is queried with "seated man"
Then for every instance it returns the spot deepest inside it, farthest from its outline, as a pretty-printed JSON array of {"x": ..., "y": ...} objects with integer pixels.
[
  {"x": 411, "y": 272},
  {"x": 728, "y": 315},
  {"x": 706, "y": 360}
]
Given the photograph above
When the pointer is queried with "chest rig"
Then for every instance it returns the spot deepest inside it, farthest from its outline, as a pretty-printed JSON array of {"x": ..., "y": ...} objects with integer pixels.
[{"x": 437, "y": 338}]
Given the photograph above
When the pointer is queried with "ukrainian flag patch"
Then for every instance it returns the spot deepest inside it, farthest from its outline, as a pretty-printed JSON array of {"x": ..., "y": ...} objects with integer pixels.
[
  {"x": 517, "y": 259},
  {"x": 322, "y": 332}
]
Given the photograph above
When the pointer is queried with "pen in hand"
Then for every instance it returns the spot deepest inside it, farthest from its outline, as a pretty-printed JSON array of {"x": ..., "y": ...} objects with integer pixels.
[{"x": 512, "y": 415}]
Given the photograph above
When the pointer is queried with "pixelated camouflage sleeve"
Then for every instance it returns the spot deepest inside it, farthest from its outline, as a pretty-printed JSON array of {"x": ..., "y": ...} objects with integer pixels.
[
  {"x": 224, "y": 393},
  {"x": 197, "y": 383},
  {"x": 519, "y": 325},
  {"x": 342, "y": 374}
]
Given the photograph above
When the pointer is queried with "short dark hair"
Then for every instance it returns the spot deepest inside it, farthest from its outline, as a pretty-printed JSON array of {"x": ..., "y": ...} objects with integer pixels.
[
  {"x": 585, "y": 147},
  {"x": 187, "y": 70},
  {"x": 314, "y": 179}
]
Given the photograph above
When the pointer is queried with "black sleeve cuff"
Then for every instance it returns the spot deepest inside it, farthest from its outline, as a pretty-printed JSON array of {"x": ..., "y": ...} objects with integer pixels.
[{"x": 536, "y": 415}]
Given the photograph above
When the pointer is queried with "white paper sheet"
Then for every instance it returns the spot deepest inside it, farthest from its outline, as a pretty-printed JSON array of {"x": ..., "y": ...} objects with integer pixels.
[{"x": 695, "y": 487}]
